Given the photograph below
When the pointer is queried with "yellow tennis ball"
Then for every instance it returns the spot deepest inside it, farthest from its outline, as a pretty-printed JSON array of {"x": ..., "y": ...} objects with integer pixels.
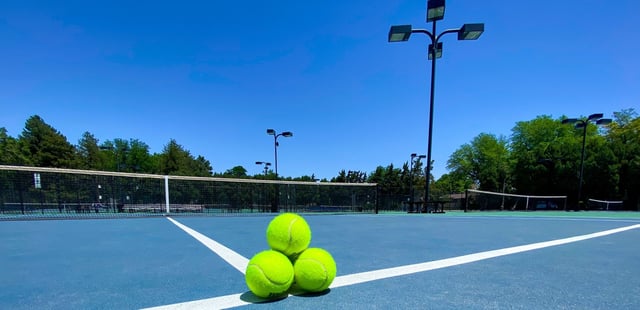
[
  {"x": 314, "y": 270},
  {"x": 288, "y": 233},
  {"x": 269, "y": 274}
]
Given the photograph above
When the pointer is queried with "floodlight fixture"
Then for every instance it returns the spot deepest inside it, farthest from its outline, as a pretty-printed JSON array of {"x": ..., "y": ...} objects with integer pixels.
[
  {"x": 471, "y": 31},
  {"x": 435, "y": 10},
  {"x": 595, "y": 116},
  {"x": 437, "y": 52},
  {"x": 399, "y": 33}
]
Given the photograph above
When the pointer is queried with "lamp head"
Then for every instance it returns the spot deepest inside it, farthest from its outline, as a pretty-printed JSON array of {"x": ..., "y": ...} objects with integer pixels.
[
  {"x": 399, "y": 33},
  {"x": 595, "y": 116},
  {"x": 438, "y": 51},
  {"x": 435, "y": 10},
  {"x": 471, "y": 31}
]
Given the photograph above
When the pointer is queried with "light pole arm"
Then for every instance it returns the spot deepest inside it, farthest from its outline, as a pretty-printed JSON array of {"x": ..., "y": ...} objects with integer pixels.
[
  {"x": 445, "y": 32},
  {"x": 427, "y": 32},
  {"x": 432, "y": 36}
]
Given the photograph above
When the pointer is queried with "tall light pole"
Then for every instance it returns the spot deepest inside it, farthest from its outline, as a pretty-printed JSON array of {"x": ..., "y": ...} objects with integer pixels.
[
  {"x": 583, "y": 124},
  {"x": 266, "y": 166},
  {"x": 413, "y": 159},
  {"x": 275, "y": 135},
  {"x": 435, "y": 12}
]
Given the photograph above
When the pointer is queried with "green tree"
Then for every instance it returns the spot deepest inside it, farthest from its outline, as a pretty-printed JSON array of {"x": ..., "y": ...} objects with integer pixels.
[
  {"x": 45, "y": 146},
  {"x": 174, "y": 159},
  {"x": 351, "y": 176},
  {"x": 545, "y": 155},
  {"x": 485, "y": 161},
  {"x": 138, "y": 158},
  {"x": 202, "y": 167},
  {"x": 237, "y": 172},
  {"x": 624, "y": 140},
  {"x": 451, "y": 183},
  {"x": 392, "y": 193},
  {"x": 89, "y": 154},
  {"x": 9, "y": 150}
]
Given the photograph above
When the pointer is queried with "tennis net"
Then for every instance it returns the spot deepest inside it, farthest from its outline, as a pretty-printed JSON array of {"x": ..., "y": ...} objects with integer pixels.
[
  {"x": 36, "y": 193},
  {"x": 491, "y": 201},
  {"x": 605, "y": 205}
]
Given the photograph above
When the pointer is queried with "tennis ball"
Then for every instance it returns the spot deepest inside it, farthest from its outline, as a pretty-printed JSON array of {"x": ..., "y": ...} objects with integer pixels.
[
  {"x": 314, "y": 270},
  {"x": 288, "y": 233},
  {"x": 269, "y": 274}
]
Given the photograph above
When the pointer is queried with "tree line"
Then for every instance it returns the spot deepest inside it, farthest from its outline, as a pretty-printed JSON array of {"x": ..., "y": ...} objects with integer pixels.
[{"x": 541, "y": 157}]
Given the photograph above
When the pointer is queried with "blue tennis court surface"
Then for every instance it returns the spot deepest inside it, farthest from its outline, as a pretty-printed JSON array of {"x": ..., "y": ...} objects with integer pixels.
[{"x": 384, "y": 261}]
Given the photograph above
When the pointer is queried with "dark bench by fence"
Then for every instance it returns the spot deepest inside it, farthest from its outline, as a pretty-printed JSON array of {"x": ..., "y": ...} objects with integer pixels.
[{"x": 433, "y": 206}]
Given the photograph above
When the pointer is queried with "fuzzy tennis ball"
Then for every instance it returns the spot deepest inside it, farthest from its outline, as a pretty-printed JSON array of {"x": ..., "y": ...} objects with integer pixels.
[
  {"x": 314, "y": 270},
  {"x": 288, "y": 233},
  {"x": 269, "y": 274}
]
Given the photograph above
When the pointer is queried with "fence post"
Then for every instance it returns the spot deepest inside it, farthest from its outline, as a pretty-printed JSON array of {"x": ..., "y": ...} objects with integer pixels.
[
  {"x": 466, "y": 200},
  {"x": 166, "y": 193}
]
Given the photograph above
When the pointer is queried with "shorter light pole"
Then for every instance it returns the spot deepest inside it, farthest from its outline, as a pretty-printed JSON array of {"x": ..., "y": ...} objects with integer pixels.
[
  {"x": 266, "y": 166},
  {"x": 412, "y": 191},
  {"x": 286, "y": 134},
  {"x": 583, "y": 124},
  {"x": 275, "y": 135}
]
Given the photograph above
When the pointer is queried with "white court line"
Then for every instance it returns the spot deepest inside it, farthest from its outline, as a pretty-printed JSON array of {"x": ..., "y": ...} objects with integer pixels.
[
  {"x": 234, "y": 259},
  {"x": 230, "y": 301},
  {"x": 465, "y": 259}
]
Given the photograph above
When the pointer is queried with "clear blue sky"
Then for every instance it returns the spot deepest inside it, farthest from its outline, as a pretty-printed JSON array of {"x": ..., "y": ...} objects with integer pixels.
[{"x": 214, "y": 75}]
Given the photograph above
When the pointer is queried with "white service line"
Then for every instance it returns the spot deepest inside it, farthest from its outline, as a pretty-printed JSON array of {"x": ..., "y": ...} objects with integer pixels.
[
  {"x": 222, "y": 302},
  {"x": 235, "y": 300},
  {"x": 357, "y": 278},
  {"x": 234, "y": 259}
]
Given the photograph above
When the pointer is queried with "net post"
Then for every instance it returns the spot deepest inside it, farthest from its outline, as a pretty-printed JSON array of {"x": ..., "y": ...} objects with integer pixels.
[
  {"x": 166, "y": 193},
  {"x": 466, "y": 200}
]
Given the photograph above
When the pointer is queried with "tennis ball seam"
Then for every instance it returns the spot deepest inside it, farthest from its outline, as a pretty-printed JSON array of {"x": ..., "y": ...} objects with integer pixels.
[
  {"x": 266, "y": 276},
  {"x": 324, "y": 270},
  {"x": 290, "y": 235}
]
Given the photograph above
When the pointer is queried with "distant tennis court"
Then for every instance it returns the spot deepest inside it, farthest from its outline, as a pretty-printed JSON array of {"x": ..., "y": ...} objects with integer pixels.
[{"x": 406, "y": 261}]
